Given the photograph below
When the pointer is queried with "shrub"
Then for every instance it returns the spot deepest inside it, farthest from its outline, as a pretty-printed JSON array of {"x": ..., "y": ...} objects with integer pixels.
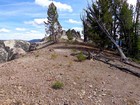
[
  {"x": 58, "y": 85},
  {"x": 69, "y": 35},
  {"x": 74, "y": 50},
  {"x": 37, "y": 55},
  {"x": 53, "y": 56},
  {"x": 70, "y": 64},
  {"x": 81, "y": 57}
]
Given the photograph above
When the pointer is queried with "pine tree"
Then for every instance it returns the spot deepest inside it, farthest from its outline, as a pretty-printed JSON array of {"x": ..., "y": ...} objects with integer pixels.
[
  {"x": 126, "y": 26},
  {"x": 53, "y": 27},
  {"x": 137, "y": 31},
  {"x": 91, "y": 29},
  {"x": 99, "y": 20},
  {"x": 105, "y": 19}
]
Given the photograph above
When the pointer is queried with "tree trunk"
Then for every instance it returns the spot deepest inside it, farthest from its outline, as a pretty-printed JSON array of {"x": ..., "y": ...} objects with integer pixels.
[{"x": 123, "y": 57}]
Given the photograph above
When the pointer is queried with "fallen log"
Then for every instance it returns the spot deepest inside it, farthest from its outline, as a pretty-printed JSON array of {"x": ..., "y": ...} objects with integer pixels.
[
  {"x": 44, "y": 44},
  {"x": 40, "y": 45},
  {"x": 107, "y": 61}
]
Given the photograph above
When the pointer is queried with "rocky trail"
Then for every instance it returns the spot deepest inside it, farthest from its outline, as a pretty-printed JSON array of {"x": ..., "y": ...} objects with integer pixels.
[{"x": 29, "y": 79}]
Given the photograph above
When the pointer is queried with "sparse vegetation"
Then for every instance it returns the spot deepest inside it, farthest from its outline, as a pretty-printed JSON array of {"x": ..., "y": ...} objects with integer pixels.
[
  {"x": 58, "y": 85},
  {"x": 131, "y": 102},
  {"x": 37, "y": 55},
  {"x": 66, "y": 44},
  {"x": 74, "y": 50},
  {"x": 69, "y": 35},
  {"x": 54, "y": 56},
  {"x": 81, "y": 57},
  {"x": 70, "y": 64}
]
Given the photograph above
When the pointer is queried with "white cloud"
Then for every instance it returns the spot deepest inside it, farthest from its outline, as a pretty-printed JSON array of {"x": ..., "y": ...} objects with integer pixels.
[
  {"x": 74, "y": 21},
  {"x": 34, "y": 31},
  {"x": 4, "y": 30},
  {"x": 20, "y": 29},
  {"x": 78, "y": 28},
  {"x": 64, "y": 28},
  {"x": 29, "y": 35},
  {"x": 36, "y": 21},
  {"x": 59, "y": 5},
  {"x": 133, "y": 2}
]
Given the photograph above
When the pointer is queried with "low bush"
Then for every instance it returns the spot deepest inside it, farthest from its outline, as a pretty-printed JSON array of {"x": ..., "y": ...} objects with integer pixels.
[
  {"x": 54, "y": 56},
  {"x": 58, "y": 85},
  {"x": 81, "y": 57}
]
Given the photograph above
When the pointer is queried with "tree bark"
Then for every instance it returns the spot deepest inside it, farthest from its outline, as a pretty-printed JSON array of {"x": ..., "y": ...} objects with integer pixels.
[{"x": 123, "y": 57}]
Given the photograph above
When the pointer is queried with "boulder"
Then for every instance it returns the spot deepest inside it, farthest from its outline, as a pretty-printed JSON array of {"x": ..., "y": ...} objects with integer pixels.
[
  {"x": 3, "y": 53},
  {"x": 14, "y": 44},
  {"x": 64, "y": 36},
  {"x": 17, "y": 48},
  {"x": 73, "y": 33},
  {"x": 11, "y": 49}
]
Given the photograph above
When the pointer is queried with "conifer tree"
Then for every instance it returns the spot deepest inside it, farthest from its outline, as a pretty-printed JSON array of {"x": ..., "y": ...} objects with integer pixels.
[
  {"x": 92, "y": 30},
  {"x": 99, "y": 19},
  {"x": 53, "y": 26},
  {"x": 105, "y": 19},
  {"x": 137, "y": 31}
]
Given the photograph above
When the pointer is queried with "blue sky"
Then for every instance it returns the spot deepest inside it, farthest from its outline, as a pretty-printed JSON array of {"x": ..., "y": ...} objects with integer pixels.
[{"x": 23, "y": 19}]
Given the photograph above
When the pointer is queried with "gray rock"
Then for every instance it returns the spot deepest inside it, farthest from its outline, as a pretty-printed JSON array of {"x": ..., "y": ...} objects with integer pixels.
[
  {"x": 3, "y": 52},
  {"x": 17, "y": 48},
  {"x": 75, "y": 34},
  {"x": 12, "y": 44},
  {"x": 12, "y": 49}
]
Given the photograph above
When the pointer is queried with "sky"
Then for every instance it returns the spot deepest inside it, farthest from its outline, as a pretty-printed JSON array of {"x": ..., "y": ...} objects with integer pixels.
[{"x": 23, "y": 19}]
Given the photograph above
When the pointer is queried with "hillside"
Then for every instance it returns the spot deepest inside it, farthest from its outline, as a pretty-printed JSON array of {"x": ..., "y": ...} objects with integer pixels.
[{"x": 29, "y": 79}]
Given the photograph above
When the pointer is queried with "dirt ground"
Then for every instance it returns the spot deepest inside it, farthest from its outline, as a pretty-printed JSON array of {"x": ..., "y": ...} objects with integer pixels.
[{"x": 29, "y": 79}]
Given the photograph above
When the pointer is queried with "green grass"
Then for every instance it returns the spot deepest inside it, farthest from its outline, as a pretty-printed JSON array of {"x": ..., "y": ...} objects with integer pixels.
[
  {"x": 81, "y": 57},
  {"x": 58, "y": 85},
  {"x": 74, "y": 50},
  {"x": 54, "y": 56},
  {"x": 37, "y": 55},
  {"x": 136, "y": 60},
  {"x": 70, "y": 64}
]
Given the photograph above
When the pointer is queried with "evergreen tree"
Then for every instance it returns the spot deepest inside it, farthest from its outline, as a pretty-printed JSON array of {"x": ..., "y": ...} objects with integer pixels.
[
  {"x": 105, "y": 19},
  {"x": 91, "y": 29},
  {"x": 126, "y": 26},
  {"x": 137, "y": 31},
  {"x": 69, "y": 35},
  {"x": 53, "y": 26},
  {"x": 99, "y": 19}
]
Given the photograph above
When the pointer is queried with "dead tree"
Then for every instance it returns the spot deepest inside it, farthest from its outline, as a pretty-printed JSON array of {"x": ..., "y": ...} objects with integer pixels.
[{"x": 91, "y": 12}]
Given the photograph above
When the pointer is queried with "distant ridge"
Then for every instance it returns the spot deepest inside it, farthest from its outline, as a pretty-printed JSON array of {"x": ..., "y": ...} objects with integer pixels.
[{"x": 34, "y": 40}]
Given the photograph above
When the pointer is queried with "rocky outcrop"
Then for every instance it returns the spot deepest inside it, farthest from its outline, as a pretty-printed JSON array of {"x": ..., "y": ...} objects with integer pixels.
[
  {"x": 64, "y": 36},
  {"x": 11, "y": 49},
  {"x": 14, "y": 44},
  {"x": 75, "y": 34},
  {"x": 3, "y": 52}
]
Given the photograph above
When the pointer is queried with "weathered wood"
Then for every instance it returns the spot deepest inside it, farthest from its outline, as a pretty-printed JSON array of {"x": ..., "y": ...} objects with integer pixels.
[
  {"x": 126, "y": 69},
  {"x": 44, "y": 44},
  {"x": 103, "y": 28}
]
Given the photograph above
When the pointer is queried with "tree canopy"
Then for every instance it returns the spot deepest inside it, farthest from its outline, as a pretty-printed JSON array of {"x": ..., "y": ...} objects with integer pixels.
[
  {"x": 53, "y": 27},
  {"x": 113, "y": 24}
]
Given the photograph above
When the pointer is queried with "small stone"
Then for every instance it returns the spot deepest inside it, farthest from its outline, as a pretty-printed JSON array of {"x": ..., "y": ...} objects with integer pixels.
[
  {"x": 83, "y": 92},
  {"x": 90, "y": 86},
  {"x": 65, "y": 103},
  {"x": 74, "y": 83},
  {"x": 103, "y": 82},
  {"x": 89, "y": 97},
  {"x": 12, "y": 77},
  {"x": 61, "y": 73},
  {"x": 104, "y": 94},
  {"x": 94, "y": 93},
  {"x": 20, "y": 88}
]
